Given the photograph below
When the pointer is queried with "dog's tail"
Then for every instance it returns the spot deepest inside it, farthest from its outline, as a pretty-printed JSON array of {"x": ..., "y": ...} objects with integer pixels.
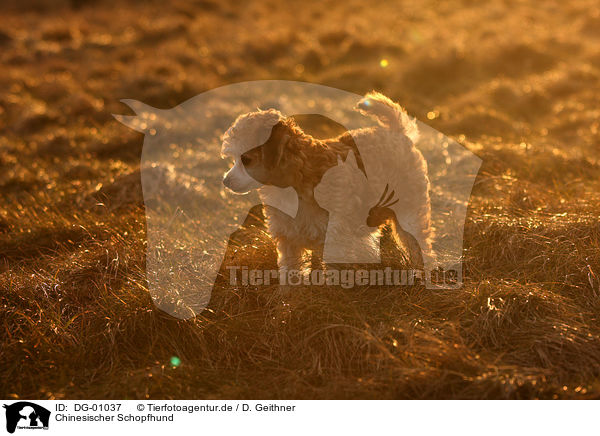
[{"x": 388, "y": 114}]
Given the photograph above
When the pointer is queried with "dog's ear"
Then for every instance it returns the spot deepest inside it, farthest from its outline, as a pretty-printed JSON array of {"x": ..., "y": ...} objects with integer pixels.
[{"x": 272, "y": 150}]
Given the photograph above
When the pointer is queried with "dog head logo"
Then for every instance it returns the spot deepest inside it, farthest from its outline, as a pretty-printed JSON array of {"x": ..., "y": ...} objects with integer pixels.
[
  {"x": 26, "y": 415},
  {"x": 332, "y": 195}
]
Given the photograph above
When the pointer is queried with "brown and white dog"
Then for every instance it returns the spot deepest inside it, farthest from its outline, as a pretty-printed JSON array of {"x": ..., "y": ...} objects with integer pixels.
[{"x": 271, "y": 150}]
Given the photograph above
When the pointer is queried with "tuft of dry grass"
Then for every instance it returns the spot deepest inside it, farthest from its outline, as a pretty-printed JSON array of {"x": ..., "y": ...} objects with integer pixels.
[{"x": 516, "y": 83}]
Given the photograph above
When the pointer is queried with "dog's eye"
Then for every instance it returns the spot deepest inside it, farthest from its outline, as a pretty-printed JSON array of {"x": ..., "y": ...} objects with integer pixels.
[{"x": 246, "y": 160}]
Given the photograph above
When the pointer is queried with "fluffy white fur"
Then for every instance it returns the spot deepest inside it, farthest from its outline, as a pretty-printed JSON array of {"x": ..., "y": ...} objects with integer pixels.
[{"x": 342, "y": 196}]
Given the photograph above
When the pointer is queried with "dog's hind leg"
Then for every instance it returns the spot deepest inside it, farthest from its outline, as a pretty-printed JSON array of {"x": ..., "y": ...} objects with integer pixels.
[{"x": 415, "y": 254}]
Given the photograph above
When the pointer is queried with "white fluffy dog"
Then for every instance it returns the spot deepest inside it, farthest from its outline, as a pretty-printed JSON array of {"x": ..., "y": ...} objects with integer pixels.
[{"x": 270, "y": 151}]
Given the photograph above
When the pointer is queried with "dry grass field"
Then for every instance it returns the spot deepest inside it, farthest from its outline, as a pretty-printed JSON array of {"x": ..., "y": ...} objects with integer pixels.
[{"x": 516, "y": 82}]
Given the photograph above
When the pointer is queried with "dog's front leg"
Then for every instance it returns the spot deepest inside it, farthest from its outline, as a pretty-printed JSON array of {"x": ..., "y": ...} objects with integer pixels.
[
  {"x": 290, "y": 263},
  {"x": 316, "y": 261},
  {"x": 289, "y": 255}
]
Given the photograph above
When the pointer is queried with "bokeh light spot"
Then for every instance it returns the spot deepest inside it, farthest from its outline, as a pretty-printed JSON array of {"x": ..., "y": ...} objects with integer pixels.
[{"x": 432, "y": 115}]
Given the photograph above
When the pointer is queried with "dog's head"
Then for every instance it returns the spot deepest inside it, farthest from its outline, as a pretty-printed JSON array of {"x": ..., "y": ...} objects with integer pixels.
[{"x": 257, "y": 142}]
